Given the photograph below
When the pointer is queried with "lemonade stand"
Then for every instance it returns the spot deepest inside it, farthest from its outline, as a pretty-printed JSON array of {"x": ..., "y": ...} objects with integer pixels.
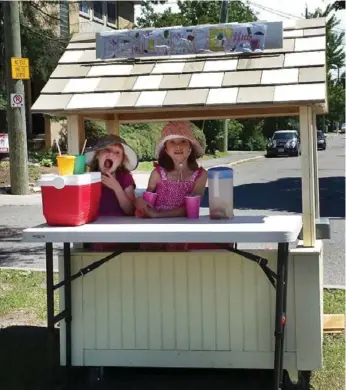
[{"x": 226, "y": 308}]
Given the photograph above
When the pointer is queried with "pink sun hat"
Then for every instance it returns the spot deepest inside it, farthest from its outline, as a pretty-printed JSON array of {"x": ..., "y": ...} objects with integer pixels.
[{"x": 174, "y": 130}]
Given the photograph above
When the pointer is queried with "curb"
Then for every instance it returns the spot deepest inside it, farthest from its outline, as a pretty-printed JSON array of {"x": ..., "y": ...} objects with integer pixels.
[{"x": 239, "y": 162}]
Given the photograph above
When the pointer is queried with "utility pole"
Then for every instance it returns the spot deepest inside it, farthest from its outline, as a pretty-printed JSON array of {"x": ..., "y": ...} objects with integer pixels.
[
  {"x": 15, "y": 115},
  {"x": 224, "y": 19}
]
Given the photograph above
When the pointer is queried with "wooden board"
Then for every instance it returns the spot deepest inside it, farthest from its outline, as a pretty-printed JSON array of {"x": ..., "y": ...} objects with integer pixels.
[{"x": 333, "y": 323}]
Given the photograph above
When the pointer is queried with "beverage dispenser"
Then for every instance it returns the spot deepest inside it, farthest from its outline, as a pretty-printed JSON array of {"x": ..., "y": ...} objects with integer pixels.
[{"x": 220, "y": 182}]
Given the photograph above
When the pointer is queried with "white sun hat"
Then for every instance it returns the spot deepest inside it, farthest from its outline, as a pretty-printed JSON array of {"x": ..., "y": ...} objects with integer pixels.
[{"x": 131, "y": 161}]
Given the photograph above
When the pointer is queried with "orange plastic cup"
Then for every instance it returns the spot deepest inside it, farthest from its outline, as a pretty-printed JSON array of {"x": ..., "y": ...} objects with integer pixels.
[{"x": 65, "y": 164}]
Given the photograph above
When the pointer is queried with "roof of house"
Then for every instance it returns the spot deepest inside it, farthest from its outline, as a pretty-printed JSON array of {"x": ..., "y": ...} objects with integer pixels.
[{"x": 135, "y": 88}]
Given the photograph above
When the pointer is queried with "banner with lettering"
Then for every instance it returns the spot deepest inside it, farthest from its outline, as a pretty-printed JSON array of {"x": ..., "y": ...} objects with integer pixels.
[{"x": 228, "y": 37}]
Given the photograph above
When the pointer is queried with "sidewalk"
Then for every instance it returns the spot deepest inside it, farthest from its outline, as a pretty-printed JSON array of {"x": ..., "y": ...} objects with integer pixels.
[{"x": 141, "y": 178}]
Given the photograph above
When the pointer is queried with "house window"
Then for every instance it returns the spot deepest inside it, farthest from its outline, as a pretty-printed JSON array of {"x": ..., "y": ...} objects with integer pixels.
[
  {"x": 111, "y": 12},
  {"x": 84, "y": 7},
  {"x": 97, "y": 6}
]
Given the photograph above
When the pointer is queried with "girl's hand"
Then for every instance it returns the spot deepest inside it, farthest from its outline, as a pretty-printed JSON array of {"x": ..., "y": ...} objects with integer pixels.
[
  {"x": 110, "y": 181},
  {"x": 141, "y": 204},
  {"x": 150, "y": 212}
]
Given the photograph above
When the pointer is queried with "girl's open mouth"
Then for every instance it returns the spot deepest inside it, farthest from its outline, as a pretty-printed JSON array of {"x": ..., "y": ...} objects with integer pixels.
[{"x": 108, "y": 163}]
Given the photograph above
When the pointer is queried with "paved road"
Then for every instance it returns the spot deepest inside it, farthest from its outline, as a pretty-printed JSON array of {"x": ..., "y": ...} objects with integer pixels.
[
  {"x": 264, "y": 186},
  {"x": 273, "y": 186}
]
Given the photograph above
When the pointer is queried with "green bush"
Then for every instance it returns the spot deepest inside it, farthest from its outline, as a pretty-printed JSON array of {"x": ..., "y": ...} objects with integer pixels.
[
  {"x": 44, "y": 158},
  {"x": 143, "y": 137}
]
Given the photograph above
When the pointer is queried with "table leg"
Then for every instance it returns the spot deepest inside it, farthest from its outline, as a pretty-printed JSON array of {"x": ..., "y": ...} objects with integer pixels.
[
  {"x": 68, "y": 303},
  {"x": 280, "y": 313}
]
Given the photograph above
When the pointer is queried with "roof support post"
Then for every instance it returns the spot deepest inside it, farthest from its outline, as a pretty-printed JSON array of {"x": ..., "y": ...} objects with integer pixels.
[
  {"x": 113, "y": 125},
  {"x": 308, "y": 177},
  {"x": 75, "y": 134},
  {"x": 315, "y": 166}
]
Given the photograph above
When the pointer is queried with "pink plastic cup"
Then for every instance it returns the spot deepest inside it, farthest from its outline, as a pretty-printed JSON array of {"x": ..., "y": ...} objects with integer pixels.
[
  {"x": 150, "y": 197},
  {"x": 192, "y": 204}
]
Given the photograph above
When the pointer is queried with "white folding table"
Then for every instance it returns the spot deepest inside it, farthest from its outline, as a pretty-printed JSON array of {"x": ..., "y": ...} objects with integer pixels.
[{"x": 282, "y": 230}]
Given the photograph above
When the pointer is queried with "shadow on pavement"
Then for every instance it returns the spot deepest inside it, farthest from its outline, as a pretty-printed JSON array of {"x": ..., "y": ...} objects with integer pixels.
[
  {"x": 285, "y": 195},
  {"x": 10, "y": 233},
  {"x": 26, "y": 364},
  {"x": 23, "y": 252}
]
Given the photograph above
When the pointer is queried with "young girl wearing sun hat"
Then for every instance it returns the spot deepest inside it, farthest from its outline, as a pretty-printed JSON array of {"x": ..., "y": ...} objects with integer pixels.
[
  {"x": 176, "y": 174},
  {"x": 114, "y": 158}
]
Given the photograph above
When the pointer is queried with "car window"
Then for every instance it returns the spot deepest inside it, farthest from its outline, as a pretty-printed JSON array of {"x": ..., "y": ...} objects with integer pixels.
[
  {"x": 285, "y": 136},
  {"x": 320, "y": 134}
]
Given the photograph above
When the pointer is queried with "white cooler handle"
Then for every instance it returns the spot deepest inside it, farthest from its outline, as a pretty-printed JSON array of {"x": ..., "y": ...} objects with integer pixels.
[{"x": 55, "y": 181}]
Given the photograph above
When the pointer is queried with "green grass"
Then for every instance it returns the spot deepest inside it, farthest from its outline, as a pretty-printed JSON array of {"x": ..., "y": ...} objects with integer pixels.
[
  {"x": 145, "y": 166},
  {"x": 25, "y": 292},
  {"x": 332, "y": 375},
  {"x": 334, "y": 301}
]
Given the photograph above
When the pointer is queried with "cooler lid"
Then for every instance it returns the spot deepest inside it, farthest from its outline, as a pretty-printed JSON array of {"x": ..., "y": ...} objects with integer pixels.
[{"x": 59, "y": 182}]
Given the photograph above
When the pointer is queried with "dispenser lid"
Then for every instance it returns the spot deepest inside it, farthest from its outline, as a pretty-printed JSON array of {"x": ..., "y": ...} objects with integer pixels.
[{"x": 220, "y": 172}]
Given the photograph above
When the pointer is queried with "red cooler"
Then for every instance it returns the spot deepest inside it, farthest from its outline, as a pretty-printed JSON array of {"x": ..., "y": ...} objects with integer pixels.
[{"x": 70, "y": 200}]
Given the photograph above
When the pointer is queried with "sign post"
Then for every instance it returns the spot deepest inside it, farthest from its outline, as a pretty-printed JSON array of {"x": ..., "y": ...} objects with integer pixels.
[{"x": 17, "y": 70}]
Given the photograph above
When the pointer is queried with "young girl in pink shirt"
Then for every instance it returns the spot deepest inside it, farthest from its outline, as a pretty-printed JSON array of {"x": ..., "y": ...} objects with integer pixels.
[{"x": 175, "y": 176}]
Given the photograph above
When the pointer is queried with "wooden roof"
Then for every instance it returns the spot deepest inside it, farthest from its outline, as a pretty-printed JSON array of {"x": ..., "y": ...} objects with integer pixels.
[{"x": 275, "y": 82}]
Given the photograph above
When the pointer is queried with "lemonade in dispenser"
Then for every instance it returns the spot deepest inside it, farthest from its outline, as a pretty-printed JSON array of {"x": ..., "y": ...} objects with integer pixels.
[{"x": 220, "y": 183}]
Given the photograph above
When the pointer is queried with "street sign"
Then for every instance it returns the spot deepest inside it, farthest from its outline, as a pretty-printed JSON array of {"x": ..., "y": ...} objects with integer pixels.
[
  {"x": 4, "y": 143},
  {"x": 20, "y": 68},
  {"x": 17, "y": 100}
]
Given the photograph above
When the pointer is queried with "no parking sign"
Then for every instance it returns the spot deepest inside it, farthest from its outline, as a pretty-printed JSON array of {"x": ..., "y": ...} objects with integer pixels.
[{"x": 17, "y": 100}]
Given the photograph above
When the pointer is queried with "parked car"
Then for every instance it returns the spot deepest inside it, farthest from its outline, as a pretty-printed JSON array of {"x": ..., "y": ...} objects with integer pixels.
[
  {"x": 321, "y": 140},
  {"x": 284, "y": 142},
  {"x": 342, "y": 128}
]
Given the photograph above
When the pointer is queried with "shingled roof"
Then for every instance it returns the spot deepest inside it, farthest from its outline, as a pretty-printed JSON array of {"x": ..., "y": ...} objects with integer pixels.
[{"x": 289, "y": 77}]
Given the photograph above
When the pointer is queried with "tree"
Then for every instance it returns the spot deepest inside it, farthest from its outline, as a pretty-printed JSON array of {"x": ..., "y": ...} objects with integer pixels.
[
  {"x": 40, "y": 43},
  {"x": 338, "y": 5},
  {"x": 192, "y": 13}
]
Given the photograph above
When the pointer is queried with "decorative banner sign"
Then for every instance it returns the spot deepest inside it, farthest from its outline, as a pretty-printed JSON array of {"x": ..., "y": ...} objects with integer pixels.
[{"x": 228, "y": 37}]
